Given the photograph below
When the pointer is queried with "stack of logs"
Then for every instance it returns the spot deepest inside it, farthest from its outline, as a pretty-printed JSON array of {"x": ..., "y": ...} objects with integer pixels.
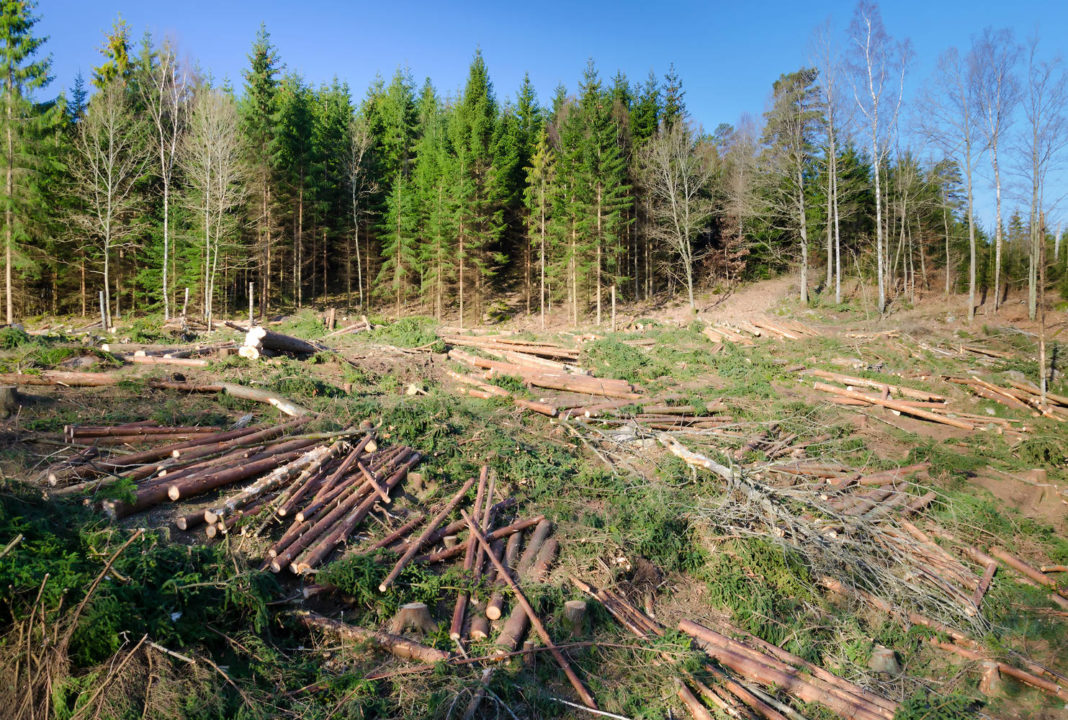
[
  {"x": 919, "y": 404},
  {"x": 428, "y": 540},
  {"x": 742, "y": 331},
  {"x": 551, "y": 378},
  {"x": 739, "y": 664},
  {"x": 1021, "y": 396},
  {"x": 495, "y": 561}
]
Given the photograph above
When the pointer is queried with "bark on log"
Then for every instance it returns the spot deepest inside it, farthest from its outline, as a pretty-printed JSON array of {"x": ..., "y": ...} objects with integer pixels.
[
  {"x": 163, "y": 360},
  {"x": 260, "y": 337},
  {"x": 892, "y": 405},
  {"x": 60, "y": 377},
  {"x": 921, "y": 395},
  {"x": 530, "y": 554},
  {"x": 689, "y": 700},
  {"x": 341, "y": 532},
  {"x": 456, "y": 626},
  {"x": 521, "y": 599},
  {"x": 1060, "y": 596},
  {"x": 393, "y": 644},
  {"x": 515, "y": 527},
  {"x": 495, "y": 606},
  {"x": 431, "y": 527}
]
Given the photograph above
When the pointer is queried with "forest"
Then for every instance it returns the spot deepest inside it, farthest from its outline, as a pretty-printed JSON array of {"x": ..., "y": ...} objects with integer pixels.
[{"x": 156, "y": 188}]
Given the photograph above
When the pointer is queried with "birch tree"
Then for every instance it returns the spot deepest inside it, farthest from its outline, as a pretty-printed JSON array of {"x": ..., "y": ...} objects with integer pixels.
[
  {"x": 211, "y": 152},
  {"x": 997, "y": 91},
  {"x": 165, "y": 96},
  {"x": 878, "y": 74},
  {"x": 677, "y": 172},
  {"x": 111, "y": 154},
  {"x": 1045, "y": 106},
  {"x": 360, "y": 187},
  {"x": 948, "y": 110}
]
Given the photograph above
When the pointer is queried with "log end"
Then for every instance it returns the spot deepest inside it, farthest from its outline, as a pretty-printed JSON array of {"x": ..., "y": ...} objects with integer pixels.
[{"x": 174, "y": 493}]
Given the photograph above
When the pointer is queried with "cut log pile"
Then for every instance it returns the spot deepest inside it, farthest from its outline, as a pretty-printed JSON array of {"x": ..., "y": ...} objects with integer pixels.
[
  {"x": 488, "y": 544},
  {"x": 1021, "y": 396},
  {"x": 746, "y": 331},
  {"x": 902, "y": 400},
  {"x": 549, "y": 378},
  {"x": 738, "y": 665}
]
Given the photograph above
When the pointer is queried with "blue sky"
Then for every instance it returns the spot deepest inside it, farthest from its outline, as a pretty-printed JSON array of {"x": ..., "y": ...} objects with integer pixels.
[{"x": 727, "y": 53}]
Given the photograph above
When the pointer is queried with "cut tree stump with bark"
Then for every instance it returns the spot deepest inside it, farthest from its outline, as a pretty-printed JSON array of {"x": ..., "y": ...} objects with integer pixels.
[{"x": 413, "y": 616}]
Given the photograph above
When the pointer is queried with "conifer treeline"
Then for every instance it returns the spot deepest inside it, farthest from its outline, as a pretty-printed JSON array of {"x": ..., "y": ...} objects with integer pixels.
[{"x": 463, "y": 207}]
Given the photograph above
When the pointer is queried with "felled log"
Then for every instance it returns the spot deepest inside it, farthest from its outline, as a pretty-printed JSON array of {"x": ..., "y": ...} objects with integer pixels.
[
  {"x": 334, "y": 534},
  {"x": 547, "y": 350},
  {"x": 163, "y": 360},
  {"x": 239, "y": 391},
  {"x": 921, "y": 395},
  {"x": 412, "y": 616},
  {"x": 393, "y": 644},
  {"x": 259, "y": 338},
  {"x": 530, "y": 553},
  {"x": 1060, "y": 596},
  {"x": 430, "y": 528},
  {"x": 460, "y": 608},
  {"x": 1022, "y": 675},
  {"x": 689, "y": 700},
  {"x": 521, "y": 599},
  {"x": 309, "y": 462},
  {"x": 495, "y": 606},
  {"x": 516, "y": 625},
  {"x": 749, "y": 664},
  {"x": 894, "y": 405},
  {"x": 517, "y": 526},
  {"x": 60, "y": 377}
]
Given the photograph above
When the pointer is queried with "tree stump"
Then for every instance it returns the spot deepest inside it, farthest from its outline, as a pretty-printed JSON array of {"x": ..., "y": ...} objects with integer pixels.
[
  {"x": 884, "y": 660},
  {"x": 412, "y": 616},
  {"x": 9, "y": 400},
  {"x": 991, "y": 683},
  {"x": 575, "y": 612}
]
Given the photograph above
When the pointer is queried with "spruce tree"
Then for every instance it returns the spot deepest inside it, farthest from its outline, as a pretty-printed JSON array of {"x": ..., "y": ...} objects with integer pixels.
[
  {"x": 21, "y": 73},
  {"x": 257, "y": 111}
]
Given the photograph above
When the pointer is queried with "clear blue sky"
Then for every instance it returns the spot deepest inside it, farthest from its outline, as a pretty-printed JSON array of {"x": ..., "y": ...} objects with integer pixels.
[{"x": 727, "y": 53}]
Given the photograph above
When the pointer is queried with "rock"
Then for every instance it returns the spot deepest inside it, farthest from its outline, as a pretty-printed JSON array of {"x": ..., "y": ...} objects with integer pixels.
[{"x": 884, "y": 660}]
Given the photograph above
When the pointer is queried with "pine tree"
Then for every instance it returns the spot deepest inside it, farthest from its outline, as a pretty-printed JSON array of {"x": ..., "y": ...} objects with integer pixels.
[
  {"x": 116, "y": 50},
  {"x": 20, "y": 75},
  {"x": 431, "y": 180}
]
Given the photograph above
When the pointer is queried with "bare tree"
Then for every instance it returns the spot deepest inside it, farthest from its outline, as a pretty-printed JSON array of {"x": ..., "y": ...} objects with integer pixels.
[
  {"x": 739, "y": 199},
  {"x": 947, "y": 116},
  {"x": 210, "y": 156},
  {"x": 878, "y": 63},
  {"x": 165, "y": 96},
  {"x": 1045, "y": 103},
  {"x": 111, "y": 152},
  {"x": 360, "y": 186},
  {"x": 828, "y": 65},
  {"x": 677, "y": 172},
  {"x": 997, "y": 91}
]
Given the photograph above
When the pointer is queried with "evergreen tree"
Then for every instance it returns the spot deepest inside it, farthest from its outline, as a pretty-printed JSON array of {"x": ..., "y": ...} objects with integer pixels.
[
  {"x": 537, "y": 198},
  {"x": 477, "y": 203},
  {"x": 395, "y": 143},
  {"x": 674, "y": 108},
  {"x": 21, "y": 73},
  {"x": 257, "y": 112},
  {"x": 291, "y": 151},
  {"x": 116, "y": 50},
  {"x": 431, "y": 179}
]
